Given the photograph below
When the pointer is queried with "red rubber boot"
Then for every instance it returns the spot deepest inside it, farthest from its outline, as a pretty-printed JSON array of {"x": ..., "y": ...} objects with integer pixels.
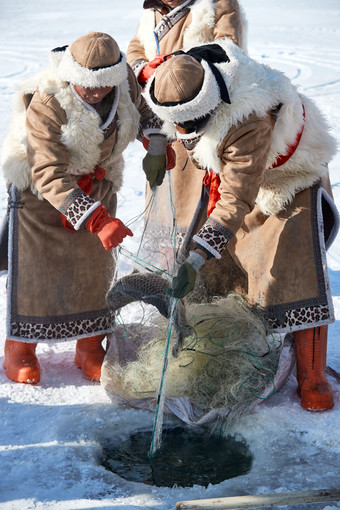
[
  {"x": 90, "y": 356},
  {"x": 21, "y": 363},
  {"x": 311, "y": 351}
]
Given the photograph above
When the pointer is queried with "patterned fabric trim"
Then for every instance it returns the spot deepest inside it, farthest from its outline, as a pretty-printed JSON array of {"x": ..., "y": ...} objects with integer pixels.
[
  {"x": 77, "y": 207},
  {"x": 190, "y": 144},
  {"x": 169, "y": 21},
  {"x": 27, "y": 328},
  {"x": 293, "y": 320},
  {"x": 138, "y": 66},
  {"x": 214, "y": 237},
  {"x": 152, "y": 124},
  {"x": 318, "y": 310},
  {"x": 33, "y": 328}
]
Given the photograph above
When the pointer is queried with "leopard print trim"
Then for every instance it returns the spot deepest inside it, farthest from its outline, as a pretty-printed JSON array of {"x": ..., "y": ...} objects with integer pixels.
[
  {"x": 63, "y": 330},
  {"x": 293, "y": 320},
  {"x": 214, "y": 237},
  {"x": 152, "y": 124},
  {"x": 314, "y": 311},
  {"x": 77, "y": 208}
]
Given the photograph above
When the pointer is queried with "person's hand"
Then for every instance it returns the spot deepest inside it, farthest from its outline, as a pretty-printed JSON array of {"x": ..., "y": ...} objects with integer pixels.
[
  {"x": 170, "y": 153},
  {"x": 185, "y": 280},
  {"x": 155, "y": 161},
  {"x": 148, "y": 70},
  {"x": 154, "y": 168},
  {"x": 111, "y": 231}
]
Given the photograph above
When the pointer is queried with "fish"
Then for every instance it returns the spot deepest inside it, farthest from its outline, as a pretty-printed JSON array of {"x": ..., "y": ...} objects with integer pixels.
[{"x": 151, "y": 288}]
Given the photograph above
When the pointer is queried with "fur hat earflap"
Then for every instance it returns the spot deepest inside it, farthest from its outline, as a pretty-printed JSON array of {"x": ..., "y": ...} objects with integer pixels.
[
  {"x": 188, "y": 85},
  {"x": 93, "y": 60}
]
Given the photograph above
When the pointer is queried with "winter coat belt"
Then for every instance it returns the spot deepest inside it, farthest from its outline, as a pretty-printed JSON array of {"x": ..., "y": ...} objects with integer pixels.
[{"x": 281, "y": 160}]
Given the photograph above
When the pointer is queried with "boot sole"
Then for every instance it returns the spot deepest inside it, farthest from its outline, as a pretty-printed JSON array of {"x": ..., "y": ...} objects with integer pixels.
[
  {"x": 26, "y": 379},
  {"x": 317, "y": 407}
]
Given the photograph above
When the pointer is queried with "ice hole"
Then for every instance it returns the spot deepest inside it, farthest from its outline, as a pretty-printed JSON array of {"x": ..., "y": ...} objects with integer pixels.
[{"x": 187, "y": 456}]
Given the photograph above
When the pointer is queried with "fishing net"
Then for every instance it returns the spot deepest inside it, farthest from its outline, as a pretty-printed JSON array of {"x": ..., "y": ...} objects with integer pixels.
[
  {"x": 220, "y": 358},
  {"x": 156, "y": 241},
  {"x": 226, "y": 366}
]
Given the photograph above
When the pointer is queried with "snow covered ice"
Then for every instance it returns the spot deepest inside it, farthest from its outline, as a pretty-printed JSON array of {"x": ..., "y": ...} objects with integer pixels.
[{"x": 51, "y": 433}]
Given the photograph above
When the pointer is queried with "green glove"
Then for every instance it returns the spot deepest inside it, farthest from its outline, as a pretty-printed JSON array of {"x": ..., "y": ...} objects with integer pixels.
[
  {"x": 154, "y": 168},
  {"x": 154, "y": 163},
  {"x": 185, "y": 280}
]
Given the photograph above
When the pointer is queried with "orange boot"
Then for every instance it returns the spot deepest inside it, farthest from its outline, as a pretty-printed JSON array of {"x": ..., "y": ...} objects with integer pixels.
[
  {"x": 90, "y": 356},
  {"x": 21, "y": 363},
  {"x": 311, "y": 350}
]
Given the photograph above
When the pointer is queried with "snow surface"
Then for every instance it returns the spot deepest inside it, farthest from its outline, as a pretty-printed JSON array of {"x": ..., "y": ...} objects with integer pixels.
[{"x": 51, "y": 433}]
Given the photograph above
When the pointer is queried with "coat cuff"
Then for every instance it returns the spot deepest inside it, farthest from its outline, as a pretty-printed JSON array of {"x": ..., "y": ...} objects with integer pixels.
[
  {"x": 152, "y": 126},
  {"x": 138, "y": 65},
  {"x": 213, "y": 237},
  {"x": 78, "y": 207}
]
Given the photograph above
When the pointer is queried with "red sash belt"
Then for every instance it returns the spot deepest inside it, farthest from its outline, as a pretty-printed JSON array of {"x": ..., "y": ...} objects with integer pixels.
[
  {"x": 212, "y": 181},
  {"x": 281, "y": 160}
]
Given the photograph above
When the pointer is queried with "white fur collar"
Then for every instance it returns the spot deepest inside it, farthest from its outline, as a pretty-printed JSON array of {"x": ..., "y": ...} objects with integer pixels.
[
  {"x": 113, "y": 110},
  {"x": 256, "y": 89},
  {"x": 83, "y": 124},
  {"x": 201, "y": 29}
]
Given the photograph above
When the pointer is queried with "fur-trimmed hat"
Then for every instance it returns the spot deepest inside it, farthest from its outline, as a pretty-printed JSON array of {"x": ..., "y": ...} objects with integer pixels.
[
  {"x": 93, "y": 60},
  {"x": 153, "y": 4},
  {"x": 188, "y": 86}
]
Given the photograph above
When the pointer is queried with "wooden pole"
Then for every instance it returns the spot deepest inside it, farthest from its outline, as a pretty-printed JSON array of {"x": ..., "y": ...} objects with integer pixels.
[{"x": 262, "y": 500}]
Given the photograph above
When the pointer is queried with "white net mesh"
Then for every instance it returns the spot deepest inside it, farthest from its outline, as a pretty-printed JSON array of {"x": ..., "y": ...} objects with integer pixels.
[{"x": 221, "y": 358}]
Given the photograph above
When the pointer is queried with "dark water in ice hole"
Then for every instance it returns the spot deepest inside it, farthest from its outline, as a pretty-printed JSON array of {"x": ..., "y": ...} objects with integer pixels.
[{"x": 186, "y": 457}]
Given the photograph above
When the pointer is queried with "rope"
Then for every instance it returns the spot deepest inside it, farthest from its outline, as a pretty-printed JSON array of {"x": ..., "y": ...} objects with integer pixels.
[
  {"x": 157, "y": 428},
  {"x": 139, "y": 262}
]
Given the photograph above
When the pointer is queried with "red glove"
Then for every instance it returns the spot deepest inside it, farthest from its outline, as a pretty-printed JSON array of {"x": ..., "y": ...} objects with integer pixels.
[
  {"x": 170, "y": 153},
  {"x": 111, "y": 231},
  {"x": 170, "y": 157},
  {"x": 148, "y": 70}
]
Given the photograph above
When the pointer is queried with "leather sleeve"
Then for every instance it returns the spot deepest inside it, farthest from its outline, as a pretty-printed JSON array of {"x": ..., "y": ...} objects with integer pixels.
[
  {"x": 243, "y": 154},
  {"x": 135, "y": 52},
  {"x": 48, "y": 157},
  {"x": 149, "y": 121},
  {"x": 228, "y": 21}
]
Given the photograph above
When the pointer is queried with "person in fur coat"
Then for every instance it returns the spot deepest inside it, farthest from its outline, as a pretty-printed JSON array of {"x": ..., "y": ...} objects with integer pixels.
[
  {"x": 63, "y": 163},
  {"x": 264, "y": 150},
  {"x": 164, "y": 27}
]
